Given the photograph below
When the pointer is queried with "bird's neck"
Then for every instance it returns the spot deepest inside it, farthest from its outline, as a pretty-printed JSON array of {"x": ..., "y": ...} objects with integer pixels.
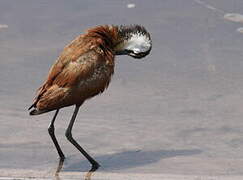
[
  {"x": 108, "y": 34},
  {"x": 119, "y": 38}
]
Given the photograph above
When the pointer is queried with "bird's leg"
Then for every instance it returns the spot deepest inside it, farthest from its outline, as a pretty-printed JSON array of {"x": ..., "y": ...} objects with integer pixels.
[
  {"x": 51, "y": 130},
  {"x": 95, "y": 165}
]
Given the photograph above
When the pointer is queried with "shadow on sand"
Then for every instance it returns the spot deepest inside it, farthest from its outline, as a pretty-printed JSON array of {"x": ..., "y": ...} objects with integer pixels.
[{"x": 129, "y": 159}]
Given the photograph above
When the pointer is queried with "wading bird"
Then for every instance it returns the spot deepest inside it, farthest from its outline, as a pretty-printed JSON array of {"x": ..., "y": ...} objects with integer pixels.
[{"x": 84, "y": 69}]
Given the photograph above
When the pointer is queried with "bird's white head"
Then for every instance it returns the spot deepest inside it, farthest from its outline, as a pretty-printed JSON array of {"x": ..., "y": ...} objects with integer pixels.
[{"x": 134, "y": 41}]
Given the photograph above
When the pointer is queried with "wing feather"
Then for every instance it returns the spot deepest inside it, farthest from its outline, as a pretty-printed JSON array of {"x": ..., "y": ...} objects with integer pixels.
[{"x": 76, "y": 63}]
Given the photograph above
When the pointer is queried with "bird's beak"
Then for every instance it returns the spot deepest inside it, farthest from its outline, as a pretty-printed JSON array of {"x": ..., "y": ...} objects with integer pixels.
[{"x": 123, "y": 52}]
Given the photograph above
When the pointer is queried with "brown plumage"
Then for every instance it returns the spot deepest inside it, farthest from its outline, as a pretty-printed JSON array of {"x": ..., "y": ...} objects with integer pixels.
[{"x": 84, "y": 69}]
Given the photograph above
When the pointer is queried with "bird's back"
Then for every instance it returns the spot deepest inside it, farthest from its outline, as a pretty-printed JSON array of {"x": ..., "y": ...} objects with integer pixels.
[{"x": 83, "y": 70}]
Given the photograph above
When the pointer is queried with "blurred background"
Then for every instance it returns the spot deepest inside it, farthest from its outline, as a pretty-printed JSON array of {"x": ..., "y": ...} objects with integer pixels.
[{"x": 177, "y": 111}]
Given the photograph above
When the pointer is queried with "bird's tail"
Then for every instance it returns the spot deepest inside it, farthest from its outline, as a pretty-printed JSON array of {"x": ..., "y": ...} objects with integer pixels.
[
  {"x": 35, "y": 111},
  {"x": 32, "y": 106}
]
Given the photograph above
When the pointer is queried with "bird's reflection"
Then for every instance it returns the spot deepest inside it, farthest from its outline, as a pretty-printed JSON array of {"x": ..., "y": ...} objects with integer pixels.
[
  {"x": 87, "y": 176},
  {"x": 59, "y": 167}
]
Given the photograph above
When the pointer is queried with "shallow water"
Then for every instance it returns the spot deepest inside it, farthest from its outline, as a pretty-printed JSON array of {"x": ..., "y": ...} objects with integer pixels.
[{"x": 177, "y": 112}]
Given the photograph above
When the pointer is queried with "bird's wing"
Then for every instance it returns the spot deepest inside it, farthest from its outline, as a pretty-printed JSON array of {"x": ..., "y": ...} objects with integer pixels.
[
  {"x": 76, "y": 63},
  {"x": 70, "y": 73}
]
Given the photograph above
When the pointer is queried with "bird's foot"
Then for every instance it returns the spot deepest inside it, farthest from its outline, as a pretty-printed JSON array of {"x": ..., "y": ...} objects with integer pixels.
[{"x": 95, "y": 166}]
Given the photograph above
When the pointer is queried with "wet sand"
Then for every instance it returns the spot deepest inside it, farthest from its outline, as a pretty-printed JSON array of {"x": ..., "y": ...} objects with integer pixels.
[{"x": 176, "y": 114}]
